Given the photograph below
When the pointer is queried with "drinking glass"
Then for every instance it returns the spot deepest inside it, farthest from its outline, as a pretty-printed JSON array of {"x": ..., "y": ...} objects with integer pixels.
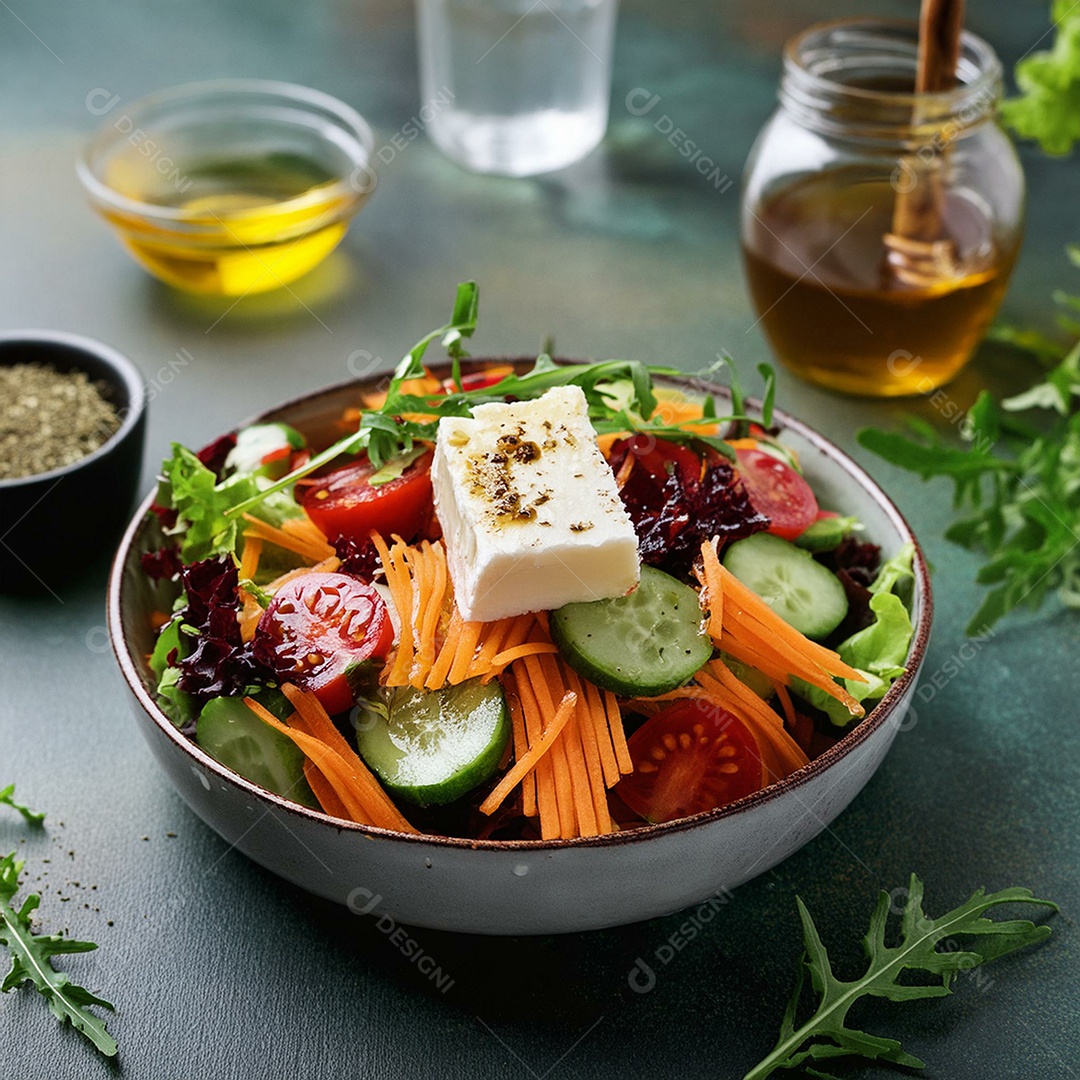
[{"x": 516, "y": 87}]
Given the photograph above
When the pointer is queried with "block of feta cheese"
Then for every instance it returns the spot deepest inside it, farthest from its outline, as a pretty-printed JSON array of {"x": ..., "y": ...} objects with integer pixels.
[{"x": 530, "y": 513}]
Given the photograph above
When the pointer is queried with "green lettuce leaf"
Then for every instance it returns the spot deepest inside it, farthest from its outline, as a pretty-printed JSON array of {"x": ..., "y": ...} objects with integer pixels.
[{"x": 191, "y": 489}]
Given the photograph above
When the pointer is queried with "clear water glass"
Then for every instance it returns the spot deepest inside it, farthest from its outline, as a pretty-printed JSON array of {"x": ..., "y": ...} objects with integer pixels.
[{"x": 516, "y": 87}]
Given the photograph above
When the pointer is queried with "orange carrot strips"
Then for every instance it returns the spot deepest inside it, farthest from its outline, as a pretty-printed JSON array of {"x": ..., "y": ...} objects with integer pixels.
[
  {"x": 249, "y": 562},
  {"x": 521, "y": 745},
  {"x": 712, "y": 589},
  {"x": 524, "y": 765},
  {"x": 309, "y": 549}
]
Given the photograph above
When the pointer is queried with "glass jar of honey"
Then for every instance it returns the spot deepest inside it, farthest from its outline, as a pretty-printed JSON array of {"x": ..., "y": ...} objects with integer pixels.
[{"x": 880, "y": 226}]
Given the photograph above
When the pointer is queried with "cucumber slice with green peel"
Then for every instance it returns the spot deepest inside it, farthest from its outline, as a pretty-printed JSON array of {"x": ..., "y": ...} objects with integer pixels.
[
  {"x": 232, "y": 734},
  {"x": 639, "y": 645},
  {"x": 431, "y": 747},
  {"x": 799, "y": 589}
]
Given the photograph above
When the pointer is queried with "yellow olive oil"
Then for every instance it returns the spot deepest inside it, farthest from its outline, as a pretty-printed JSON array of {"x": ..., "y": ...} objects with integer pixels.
[{"x": 244, "y": 225}]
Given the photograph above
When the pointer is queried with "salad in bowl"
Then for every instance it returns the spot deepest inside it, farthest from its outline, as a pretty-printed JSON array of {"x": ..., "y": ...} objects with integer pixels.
[{"x": 517, "y": 604}]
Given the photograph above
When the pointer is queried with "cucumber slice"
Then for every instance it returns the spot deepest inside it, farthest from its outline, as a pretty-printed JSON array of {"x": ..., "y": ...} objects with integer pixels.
[
  {"x": 431, "y": 747},
  {"x": 638, "y": 645},
  {"x": 230, "y": 732},
  {"x": 799, "y": 589}
]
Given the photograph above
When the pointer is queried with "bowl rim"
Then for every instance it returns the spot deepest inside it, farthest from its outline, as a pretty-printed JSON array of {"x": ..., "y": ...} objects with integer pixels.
[
  {"x": 878, "y": 716},
  {"x": 130, "y": 378},
  {"x": 295, "y": 94}
]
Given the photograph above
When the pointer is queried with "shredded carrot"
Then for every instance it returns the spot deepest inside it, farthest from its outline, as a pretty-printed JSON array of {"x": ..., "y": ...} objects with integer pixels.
[
  {"x": 249, "y": 562},
  {"x": 753, "y": 607},
  {"x": 570, "y": 744},
  {"x": 530, "y": 648},
  {"x": 524, "y": 765},
  {"x": 466, "y": 651},
  {"x": 583, "y": 737},
  {"x": 712, "y": 592},
  {"x": 327, "y": 747},
  {"x": 602, "y": 735},
  {"x": 785, "y": 702},
  {"x": 309, "y": 549},
  {"x": 521, "y": 745},
  {"x": 441, "y": 669},
  {"x": 625, "y": 469},
  {"x": 547, "y": 801},
  {"x": 618, "y": 733},
  {"x": 545, "y": 698},
  {"x": 325, "y": 794},
  {"x": 764, "y": 720}
]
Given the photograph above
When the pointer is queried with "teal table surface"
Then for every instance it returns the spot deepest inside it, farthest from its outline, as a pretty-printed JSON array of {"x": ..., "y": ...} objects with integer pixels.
[{"x": 217, "y": 968}]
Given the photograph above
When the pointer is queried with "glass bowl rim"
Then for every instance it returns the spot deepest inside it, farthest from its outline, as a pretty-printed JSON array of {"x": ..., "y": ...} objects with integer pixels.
[{"x": 313, "y": 101}]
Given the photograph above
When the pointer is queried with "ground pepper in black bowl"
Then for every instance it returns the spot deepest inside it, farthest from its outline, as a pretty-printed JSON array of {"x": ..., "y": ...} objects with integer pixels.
[{"x": 72, "y": 426}]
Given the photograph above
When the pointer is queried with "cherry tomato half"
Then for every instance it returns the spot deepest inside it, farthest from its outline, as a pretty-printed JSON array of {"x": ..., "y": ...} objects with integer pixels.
[
  {"x": 691, "y": 757},
  {"x": 344, "y": 503},
  {"x": 317, "y": 628},
  {"x": 779, "y": 492}
]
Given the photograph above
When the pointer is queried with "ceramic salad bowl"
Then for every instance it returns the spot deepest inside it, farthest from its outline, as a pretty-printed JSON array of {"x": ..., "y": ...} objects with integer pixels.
[{"x": 521, "y": 886}]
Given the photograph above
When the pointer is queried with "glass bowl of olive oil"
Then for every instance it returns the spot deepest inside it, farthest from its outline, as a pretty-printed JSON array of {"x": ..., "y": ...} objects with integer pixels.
[{"x": 230, "y": 187}]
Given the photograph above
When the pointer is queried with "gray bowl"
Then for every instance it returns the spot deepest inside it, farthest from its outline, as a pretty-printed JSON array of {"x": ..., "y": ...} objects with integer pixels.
[
  {"x": 523, "y": 886},
  {"x": 53, "y": 524}
]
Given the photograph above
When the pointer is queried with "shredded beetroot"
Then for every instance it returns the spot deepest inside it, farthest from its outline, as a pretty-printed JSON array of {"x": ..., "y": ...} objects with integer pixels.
[
  {"x": 163, "y": 564},
  {"x": 672, "y": 515},
  {"x": 221, "y": 664},
  {"x": 855, "y": 564},
  {"x": 359, "y": 559},
  {"x": 213, "y": 455},
  {"x": 166, "y": 515}
]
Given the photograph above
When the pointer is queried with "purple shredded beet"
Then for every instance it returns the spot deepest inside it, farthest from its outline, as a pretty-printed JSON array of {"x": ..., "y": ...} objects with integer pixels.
[
  {"x": 221, "y": 664},
  {"x": 361, "y": 559},
  {"x": 855, "y": 563},
  {"x": 163, "y": 564},
  {"x": 213, "y": 455},
  {"x": 166, "y": 515},
  {"x": 672, "y": 517}
]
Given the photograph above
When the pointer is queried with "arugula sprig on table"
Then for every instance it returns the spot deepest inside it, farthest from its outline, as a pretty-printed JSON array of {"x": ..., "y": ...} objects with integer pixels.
[
  {"x": 31, "y": 961},
  {"x": 7, "y": 798},
  {"x": 620, "y": 396},
  {"x": 1018, "y": 479},
  {"x": 928, "y": 946}
]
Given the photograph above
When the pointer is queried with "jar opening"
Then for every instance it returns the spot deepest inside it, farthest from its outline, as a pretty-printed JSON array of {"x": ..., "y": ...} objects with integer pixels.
[{"x": 856, "y": 78}]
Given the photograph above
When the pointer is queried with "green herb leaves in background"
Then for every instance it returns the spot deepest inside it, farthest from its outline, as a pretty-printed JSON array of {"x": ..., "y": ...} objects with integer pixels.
[
  {"x": 7, "y": 798},
  {"x": 925, "y": 945},
  {"x": 1048, "y": 107},
  {"x": 31, "y": 961},
  {"x": 1018, "y": 478}
]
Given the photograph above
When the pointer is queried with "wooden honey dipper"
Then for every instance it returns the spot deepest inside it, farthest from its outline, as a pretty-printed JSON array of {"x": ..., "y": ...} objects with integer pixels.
[{"x": 918, "y": 253}]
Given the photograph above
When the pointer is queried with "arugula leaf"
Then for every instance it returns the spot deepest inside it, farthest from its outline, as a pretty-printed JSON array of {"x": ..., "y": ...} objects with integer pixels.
[
  {"x": 7, "y": 798},
  {"x": 825, "y": 1034},
  {"x": 1048, "y": 108},
  {"x": 619, "y": 393},
  {"x": 31, "y": 961}
]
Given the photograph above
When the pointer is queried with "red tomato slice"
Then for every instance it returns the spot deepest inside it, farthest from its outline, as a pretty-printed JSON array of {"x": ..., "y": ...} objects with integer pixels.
[
  {"x": 317, "y": 628},
  {"x": 344, "y": 503},
  {"x": 692, "y": 757},
  {"x": 659, "y": 457},
  {"x": 779, "y": 492}
]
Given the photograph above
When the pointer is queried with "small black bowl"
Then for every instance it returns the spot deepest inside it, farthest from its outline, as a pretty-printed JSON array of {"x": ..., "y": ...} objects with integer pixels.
[{"x": 53, "y": 524}]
